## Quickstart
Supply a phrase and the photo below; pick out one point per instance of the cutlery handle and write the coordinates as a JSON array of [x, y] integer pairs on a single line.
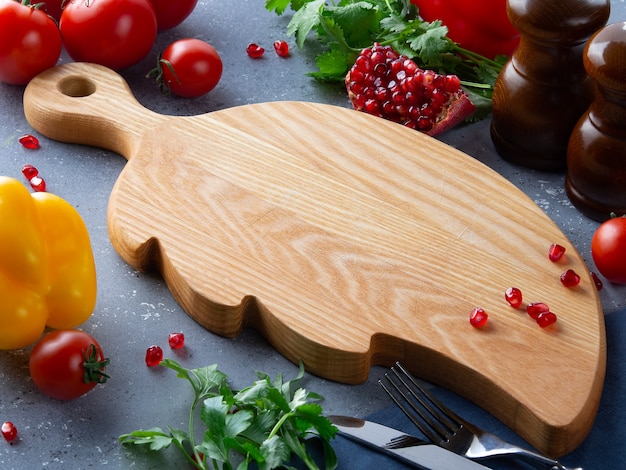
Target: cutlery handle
[[487, 445], [500, 448]]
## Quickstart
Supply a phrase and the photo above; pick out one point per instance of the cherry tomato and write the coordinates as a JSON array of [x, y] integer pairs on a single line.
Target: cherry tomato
[[480, 26], [54, 8], [608, 249], [66, 364], [113, 33], [170, 13], [190, 67], [29, 42]]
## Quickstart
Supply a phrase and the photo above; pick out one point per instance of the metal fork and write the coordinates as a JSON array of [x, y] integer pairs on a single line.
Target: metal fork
[[446, 429]]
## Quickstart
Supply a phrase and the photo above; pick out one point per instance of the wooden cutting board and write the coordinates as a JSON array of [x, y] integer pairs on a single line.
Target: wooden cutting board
[[347, 241]]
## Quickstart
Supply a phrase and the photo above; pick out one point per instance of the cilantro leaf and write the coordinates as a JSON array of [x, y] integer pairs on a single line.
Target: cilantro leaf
[[358, 21], [430, 43], [304, 20], [274, 451], [265, 423], [332, 64], [204, 380], [279, 6], [154, 437]]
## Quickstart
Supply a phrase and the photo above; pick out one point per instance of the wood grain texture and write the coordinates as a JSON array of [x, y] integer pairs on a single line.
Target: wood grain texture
[[347, 241]]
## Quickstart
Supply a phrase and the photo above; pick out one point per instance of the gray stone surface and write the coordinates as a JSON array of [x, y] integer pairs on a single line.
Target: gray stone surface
[[135, 310]]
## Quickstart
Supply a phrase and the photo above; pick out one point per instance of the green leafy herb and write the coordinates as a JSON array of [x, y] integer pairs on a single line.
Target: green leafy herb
[[265, 423], [345, 27]]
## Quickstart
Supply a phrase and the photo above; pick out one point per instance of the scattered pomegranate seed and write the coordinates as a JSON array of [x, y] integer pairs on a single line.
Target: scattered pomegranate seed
[[597, 281], [546, 319], [478, 317], [29, 141], [255, 51], [513, 296], [536, 308], [154, 356], [199, 458], [38, 184], [29, 171], [176, 340], [282, 48], [556, 252], [570, 279], [9, 431]]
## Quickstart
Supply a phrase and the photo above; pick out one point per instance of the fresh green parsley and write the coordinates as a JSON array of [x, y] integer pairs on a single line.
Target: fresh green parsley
[[265, 423], [345, 27]]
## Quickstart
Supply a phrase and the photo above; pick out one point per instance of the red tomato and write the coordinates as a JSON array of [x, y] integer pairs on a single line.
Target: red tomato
[[113, 33], [196, 67], [608, 249], [66, 364], [54, 8], [29, 42], [479, 26], [170, 13]]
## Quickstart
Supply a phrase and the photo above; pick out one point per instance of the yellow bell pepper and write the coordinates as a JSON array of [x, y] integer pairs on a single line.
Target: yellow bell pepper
[[47, 270]]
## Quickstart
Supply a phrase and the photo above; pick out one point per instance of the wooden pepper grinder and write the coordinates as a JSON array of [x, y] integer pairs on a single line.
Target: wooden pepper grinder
[[596, 155], [543, 90]]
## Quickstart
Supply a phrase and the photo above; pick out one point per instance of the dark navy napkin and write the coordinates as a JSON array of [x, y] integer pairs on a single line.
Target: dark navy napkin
[[604, 448]]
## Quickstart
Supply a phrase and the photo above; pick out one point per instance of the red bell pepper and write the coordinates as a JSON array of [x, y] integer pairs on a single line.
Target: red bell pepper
[[480, 26]]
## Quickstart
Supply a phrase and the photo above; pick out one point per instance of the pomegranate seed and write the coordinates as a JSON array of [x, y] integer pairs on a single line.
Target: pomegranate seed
[[199, 458], [556, 252], [38, 184], [176, 340], [9, 431], [597, 281], [281, 48], [29, 141], [536, 308], [570, 279], [546, 319], [29, 171], [513, 296], [478, 317], [255, 51], [372, 107], [154, 356], [452, 83]]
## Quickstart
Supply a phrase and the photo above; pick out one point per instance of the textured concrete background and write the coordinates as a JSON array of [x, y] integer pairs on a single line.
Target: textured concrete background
[[135, 310]]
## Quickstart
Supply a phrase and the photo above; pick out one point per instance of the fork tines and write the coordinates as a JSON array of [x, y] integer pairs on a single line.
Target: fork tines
[[431, 417]]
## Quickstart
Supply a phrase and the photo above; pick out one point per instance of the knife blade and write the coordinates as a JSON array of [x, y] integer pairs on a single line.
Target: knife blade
[[421, 454]]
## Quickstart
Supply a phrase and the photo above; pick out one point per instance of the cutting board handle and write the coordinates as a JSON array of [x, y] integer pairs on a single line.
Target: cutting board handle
[[88, 104]]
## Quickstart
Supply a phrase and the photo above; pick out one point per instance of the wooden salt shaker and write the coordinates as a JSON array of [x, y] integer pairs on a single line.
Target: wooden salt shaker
[[543, 90], [596, 155]]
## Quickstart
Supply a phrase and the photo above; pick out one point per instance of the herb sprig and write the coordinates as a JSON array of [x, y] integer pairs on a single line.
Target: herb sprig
[[265, 423], [345, 27]]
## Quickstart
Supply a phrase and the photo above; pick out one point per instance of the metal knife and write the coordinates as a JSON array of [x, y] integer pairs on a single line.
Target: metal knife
[[420, 454]]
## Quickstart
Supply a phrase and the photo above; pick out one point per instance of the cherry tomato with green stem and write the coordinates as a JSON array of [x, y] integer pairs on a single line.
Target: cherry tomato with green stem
[[480, 26], [113, 33], [66, 364], [189, 68], [170, 13], [29, 42], [608, 249]]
